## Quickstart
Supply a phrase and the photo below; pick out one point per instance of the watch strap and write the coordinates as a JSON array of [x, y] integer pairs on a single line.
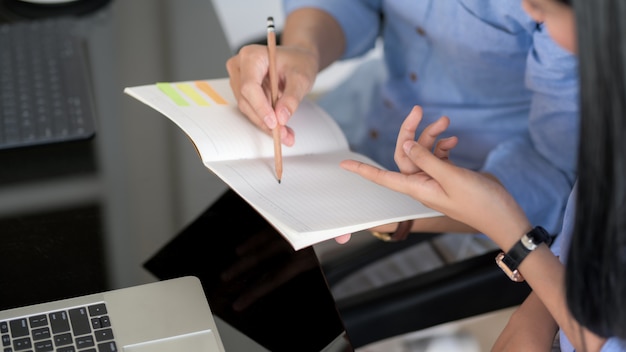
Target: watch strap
[[528, 243], [515, 255]]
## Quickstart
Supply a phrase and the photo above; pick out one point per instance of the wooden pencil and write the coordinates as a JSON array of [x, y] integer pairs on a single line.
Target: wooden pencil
[[271, 48]]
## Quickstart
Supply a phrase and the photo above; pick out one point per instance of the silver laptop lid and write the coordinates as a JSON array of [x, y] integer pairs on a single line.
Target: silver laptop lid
[[171, 315]]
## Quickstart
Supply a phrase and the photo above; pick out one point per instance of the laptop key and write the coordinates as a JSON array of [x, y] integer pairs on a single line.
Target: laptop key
[[38, 321], [41, 334], [96, 323], [22, 344], [44, 346], [97, 309], [104, 334], [59, 322], [107, 347], [80, 321], [62, 339], [85, 341], [19, 328], [66, 349]]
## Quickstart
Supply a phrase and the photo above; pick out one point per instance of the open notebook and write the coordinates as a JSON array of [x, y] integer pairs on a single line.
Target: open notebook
[[316, 199], [165, 316]]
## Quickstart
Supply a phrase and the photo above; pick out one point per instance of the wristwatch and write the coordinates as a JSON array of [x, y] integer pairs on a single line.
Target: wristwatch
[[401, 233], [510, 261]]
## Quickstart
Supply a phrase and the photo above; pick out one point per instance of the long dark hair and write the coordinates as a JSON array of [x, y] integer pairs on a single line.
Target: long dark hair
[[596, 263]]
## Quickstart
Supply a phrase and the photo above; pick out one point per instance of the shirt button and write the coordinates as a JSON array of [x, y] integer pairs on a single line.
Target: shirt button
[[420, 31], [373, 134], [413, 76]]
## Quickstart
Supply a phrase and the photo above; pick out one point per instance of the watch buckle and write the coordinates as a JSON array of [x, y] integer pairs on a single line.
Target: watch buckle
[[514, 275]]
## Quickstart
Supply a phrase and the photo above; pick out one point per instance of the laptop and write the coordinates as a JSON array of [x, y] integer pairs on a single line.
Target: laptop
[[166, 316]]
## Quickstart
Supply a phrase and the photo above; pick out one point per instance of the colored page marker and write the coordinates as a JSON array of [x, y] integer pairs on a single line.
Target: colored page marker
[[208, 90], [172, 93], [192, 93]]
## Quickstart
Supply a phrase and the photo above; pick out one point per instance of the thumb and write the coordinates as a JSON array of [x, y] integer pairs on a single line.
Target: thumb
[[343, 238]]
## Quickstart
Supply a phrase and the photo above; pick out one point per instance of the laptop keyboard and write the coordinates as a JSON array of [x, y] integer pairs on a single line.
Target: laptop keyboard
[[45, 93], [84, 329]]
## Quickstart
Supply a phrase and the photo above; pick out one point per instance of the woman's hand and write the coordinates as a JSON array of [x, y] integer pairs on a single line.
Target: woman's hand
[[462, 194], [427, 139]]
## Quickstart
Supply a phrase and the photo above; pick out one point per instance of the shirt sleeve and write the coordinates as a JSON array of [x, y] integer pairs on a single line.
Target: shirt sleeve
[[360, 20], [539, 169], [562, 241], [614, 344]]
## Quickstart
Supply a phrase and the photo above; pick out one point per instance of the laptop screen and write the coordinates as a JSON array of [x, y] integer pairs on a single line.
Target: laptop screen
[[253, 279]]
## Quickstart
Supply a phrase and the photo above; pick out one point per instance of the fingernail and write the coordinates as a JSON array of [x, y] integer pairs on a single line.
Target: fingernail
[[269, 121], [407, 146], [283, 116]]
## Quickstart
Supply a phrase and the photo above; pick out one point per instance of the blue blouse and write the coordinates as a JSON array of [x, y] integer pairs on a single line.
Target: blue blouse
[[559, 248], [508, 89]]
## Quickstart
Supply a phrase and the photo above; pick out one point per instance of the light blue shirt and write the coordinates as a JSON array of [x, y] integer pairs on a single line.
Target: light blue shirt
[[559, 248], [508, 89]]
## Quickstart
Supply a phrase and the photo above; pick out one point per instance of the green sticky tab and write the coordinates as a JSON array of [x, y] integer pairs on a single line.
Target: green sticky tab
[[169, 90]]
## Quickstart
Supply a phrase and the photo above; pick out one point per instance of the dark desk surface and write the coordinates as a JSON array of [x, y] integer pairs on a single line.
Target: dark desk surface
[[253, 279]]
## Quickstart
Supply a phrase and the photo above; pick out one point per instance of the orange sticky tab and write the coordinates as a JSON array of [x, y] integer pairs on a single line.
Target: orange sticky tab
[[208, 90]]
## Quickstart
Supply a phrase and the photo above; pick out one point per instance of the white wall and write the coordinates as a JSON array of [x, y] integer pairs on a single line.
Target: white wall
[[152, 180], [244, 20]]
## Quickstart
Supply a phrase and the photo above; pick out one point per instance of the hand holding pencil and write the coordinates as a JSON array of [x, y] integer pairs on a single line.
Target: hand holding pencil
[[293, 68]]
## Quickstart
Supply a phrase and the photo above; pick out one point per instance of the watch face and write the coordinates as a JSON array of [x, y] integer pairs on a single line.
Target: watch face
[[514, 275]]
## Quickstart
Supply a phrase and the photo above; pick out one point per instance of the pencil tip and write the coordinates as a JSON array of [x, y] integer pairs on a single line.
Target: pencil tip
[[278, 181]]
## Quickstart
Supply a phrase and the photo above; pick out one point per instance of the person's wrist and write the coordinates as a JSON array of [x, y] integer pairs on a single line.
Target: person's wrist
[[508, 232]]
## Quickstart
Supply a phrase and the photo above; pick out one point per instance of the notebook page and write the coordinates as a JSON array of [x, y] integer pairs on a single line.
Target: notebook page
[[316, 200], [221, 132]]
